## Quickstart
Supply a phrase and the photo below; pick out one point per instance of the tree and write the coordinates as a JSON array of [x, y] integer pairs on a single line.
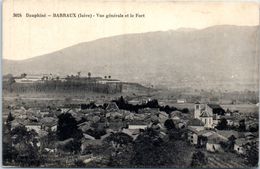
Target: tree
[[11, 81], [222, 125], [252, 156], [9, 152], [26, 146], [185, 110], [67, 127], [150, 150], [198, 159], [9, 118], [89, 74], [253, 128], [109, 77], [118, 140], [23, 75], [169, 124], [242, 125], [119, 148], [153, 104], [78, 74]]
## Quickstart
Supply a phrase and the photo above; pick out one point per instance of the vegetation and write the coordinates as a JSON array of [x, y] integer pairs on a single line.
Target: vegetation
[[222, 125], [67, 127], [21, 149], [252, 156], [123, 104], [198, 159]]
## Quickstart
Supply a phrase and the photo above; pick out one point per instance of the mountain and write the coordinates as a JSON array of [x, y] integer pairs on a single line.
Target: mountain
[[220, 56]]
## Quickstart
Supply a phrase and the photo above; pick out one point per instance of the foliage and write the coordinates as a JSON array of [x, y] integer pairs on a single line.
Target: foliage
[[169, 124], [67, 127], [198, 159], [185, 110], [222, 125], [242, 125], [120, 149], [118, 140], [253, 128], [9, 153], [122, 104], [150, 150], [21, 134], [25, 143], [10, 117], [252, 156]]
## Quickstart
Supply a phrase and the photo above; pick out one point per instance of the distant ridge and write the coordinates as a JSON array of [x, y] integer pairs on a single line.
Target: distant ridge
[[222, 56]]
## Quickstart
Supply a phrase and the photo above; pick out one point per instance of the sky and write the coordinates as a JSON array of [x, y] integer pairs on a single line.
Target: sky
[[27, 37]]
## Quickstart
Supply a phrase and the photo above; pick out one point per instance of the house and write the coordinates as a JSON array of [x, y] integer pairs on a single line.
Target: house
[[44, 113], [156, 126], [242, 144], [249, 136], [230, 120], [89, 141], [85, 126], [112, 107], [239, 146], [137, 126], [214, 143], [116, 126], [49, 124], [197, 135], [228, 133], [106, 135], [163, 117], [33, 126], [181, 100], [15, 123], [87, 137], [132, 132], [193, 134], [175, 113], [29, 79], [196, 122]]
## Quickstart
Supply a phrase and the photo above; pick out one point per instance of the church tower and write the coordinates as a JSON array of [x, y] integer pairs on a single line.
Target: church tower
[[197, 110]]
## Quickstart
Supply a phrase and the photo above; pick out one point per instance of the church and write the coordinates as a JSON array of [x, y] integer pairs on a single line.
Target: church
[[207, 113]]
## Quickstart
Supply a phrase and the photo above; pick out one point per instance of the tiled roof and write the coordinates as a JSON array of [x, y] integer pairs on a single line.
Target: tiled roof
[[228, 133], [215, 139], [205, 114]]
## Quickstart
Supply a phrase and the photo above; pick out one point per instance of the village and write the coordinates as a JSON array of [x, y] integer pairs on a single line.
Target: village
[[119, 134]]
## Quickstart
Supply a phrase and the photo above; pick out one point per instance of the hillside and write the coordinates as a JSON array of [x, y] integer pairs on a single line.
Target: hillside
[[220, 56]]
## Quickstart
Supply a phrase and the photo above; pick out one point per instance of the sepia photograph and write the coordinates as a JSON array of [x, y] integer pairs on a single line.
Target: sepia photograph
[[130, 84]]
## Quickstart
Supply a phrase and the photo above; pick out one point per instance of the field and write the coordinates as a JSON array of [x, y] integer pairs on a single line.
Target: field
[[225, 160]]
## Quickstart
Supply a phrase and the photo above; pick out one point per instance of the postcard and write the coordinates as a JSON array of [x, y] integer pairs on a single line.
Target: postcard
[[130, 84]]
